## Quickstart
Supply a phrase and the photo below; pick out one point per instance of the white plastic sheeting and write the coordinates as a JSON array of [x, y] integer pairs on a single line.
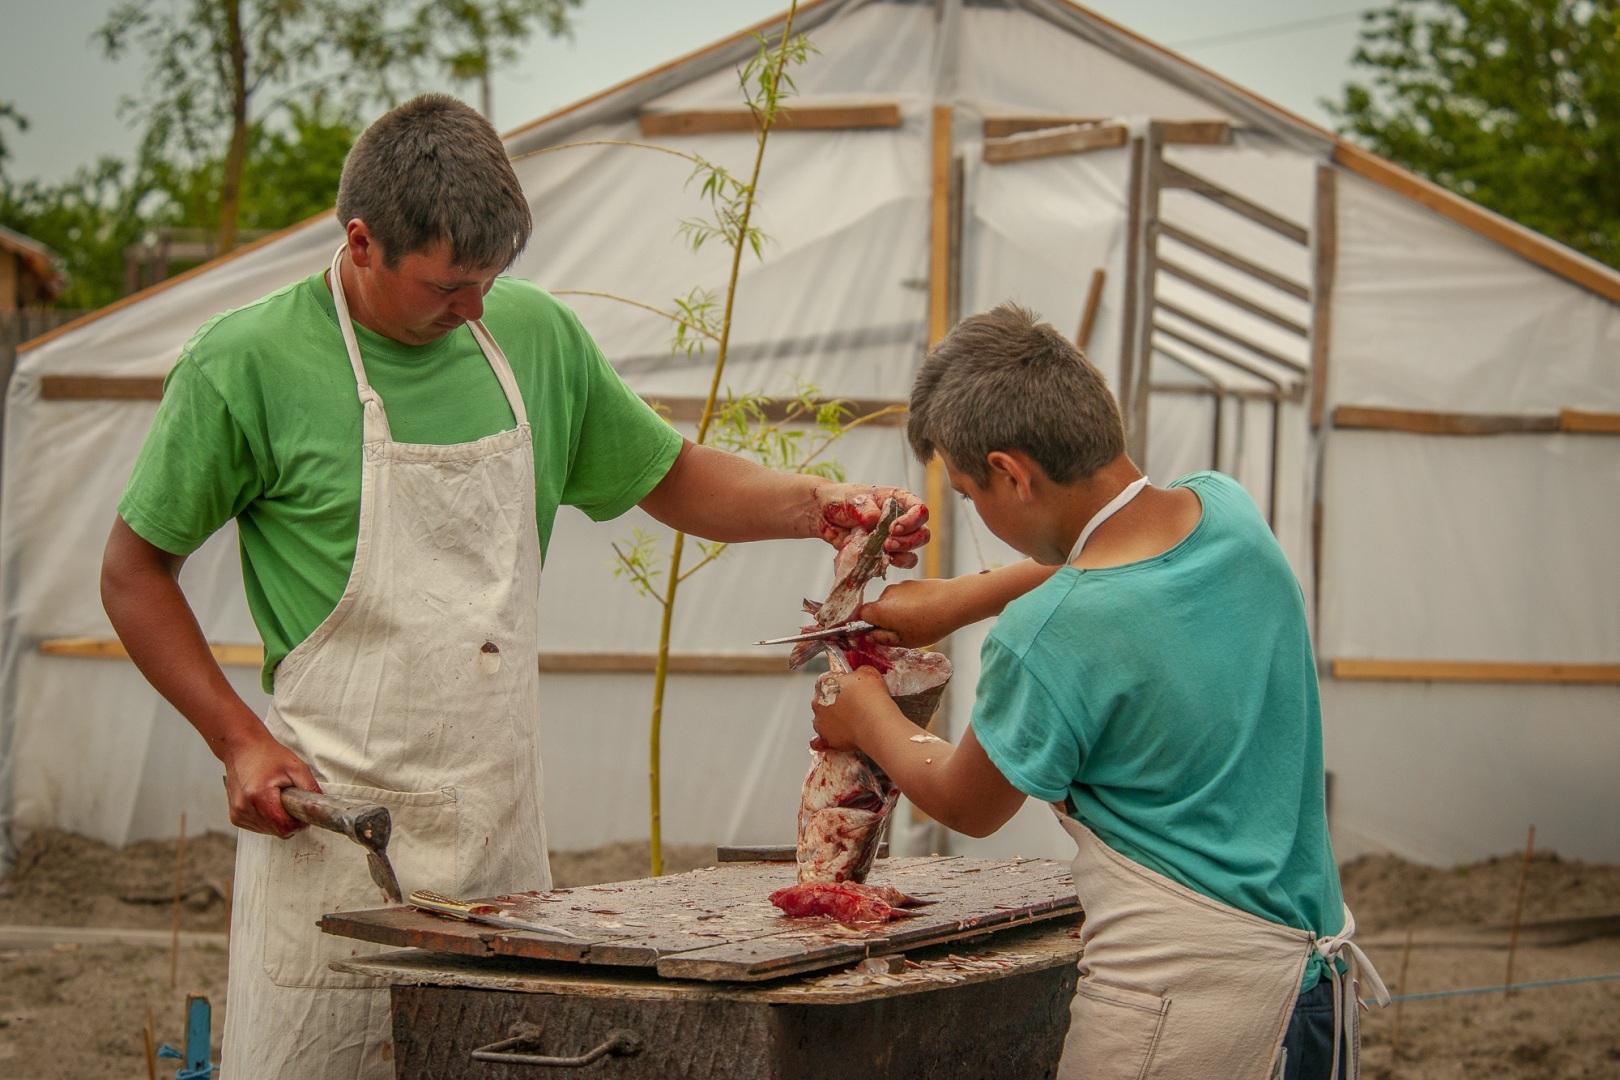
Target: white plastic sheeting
[[1489, 548]]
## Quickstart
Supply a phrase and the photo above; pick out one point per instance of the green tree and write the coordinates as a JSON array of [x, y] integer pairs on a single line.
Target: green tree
[[469, 39], [9, 114], [209, 62], [1512, 103], [88, 219], [219, 70], [290, 173]]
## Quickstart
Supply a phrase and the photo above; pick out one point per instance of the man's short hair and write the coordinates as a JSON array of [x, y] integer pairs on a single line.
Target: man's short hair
[[434, 170], [1004, 380]]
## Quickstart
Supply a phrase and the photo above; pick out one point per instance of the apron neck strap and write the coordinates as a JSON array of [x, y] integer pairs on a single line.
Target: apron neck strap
[[1132, 490], [486, 344]]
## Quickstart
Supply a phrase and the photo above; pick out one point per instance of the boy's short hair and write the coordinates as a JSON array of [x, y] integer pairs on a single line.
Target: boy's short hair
[[434, 170], [1004, 380]]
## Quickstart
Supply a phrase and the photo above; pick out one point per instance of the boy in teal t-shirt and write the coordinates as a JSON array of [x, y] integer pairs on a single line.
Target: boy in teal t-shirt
[[1150, 675]]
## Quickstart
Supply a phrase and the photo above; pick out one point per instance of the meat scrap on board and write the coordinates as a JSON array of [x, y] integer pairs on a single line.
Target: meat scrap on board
[[846, 798]]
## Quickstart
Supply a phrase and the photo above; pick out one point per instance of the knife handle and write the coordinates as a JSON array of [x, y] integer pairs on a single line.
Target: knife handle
[[365, 823]]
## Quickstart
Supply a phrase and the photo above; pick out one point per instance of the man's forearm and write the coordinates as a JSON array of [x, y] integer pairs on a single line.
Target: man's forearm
[[150, 615], [727, 497]]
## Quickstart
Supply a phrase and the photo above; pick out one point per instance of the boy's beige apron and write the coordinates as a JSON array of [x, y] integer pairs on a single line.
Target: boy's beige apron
[[420, 692], [1175, 985]]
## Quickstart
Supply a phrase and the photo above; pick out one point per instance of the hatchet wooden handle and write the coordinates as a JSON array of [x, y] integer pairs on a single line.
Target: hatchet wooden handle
[[367, 824]]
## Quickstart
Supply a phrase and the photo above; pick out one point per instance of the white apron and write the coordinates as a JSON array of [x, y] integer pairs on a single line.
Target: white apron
[[1175, 985], [420, 692]]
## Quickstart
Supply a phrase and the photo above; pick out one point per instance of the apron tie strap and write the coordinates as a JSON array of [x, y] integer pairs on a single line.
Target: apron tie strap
[[1345, 997]]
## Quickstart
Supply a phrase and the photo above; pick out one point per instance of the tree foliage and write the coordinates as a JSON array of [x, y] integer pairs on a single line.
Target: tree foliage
[[220, 71], [9, 115], [468, 39], [91, 219], [1512, 103]]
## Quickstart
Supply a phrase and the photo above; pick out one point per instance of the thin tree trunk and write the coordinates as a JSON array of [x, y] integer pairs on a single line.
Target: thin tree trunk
[[230, 189]]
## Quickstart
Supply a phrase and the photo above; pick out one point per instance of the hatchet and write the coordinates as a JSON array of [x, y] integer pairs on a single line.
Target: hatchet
[[367, 824]]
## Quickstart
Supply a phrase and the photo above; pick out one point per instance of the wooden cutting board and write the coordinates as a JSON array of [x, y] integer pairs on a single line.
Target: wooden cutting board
[[718, 924]]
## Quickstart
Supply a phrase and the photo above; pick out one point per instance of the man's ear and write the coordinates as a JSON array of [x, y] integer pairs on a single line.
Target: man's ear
[[362, 247], [1013, 467]]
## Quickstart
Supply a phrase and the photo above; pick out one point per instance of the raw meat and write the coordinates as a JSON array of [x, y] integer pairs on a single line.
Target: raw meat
[[847, 902], [847, 798]]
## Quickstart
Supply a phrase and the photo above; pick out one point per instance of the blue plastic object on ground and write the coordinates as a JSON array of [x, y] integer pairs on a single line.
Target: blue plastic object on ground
[[197, 1066]]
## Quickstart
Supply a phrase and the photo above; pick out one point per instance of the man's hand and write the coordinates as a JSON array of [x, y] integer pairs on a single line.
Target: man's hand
[[844, 507], [255, 775], [846, 705]]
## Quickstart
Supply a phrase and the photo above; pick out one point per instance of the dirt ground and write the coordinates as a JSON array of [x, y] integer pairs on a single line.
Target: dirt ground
[[76, 1011]]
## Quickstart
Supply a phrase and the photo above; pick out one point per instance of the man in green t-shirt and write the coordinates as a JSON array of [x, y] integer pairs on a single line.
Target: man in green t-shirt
[[393, 438]]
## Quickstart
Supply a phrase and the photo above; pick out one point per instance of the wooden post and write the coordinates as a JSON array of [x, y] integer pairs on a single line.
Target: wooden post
[[1325, 257], [1088, 318], [149, 1044], [179, 877], [1147, 167], [1400, 984], [1518, 911], [939, 319]]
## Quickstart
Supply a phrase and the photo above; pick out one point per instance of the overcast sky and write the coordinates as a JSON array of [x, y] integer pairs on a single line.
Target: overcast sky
[[1294, 52]]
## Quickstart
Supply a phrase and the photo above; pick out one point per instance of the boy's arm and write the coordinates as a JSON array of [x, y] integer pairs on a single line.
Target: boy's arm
[[921, 611], [957, 786], [140, 590]]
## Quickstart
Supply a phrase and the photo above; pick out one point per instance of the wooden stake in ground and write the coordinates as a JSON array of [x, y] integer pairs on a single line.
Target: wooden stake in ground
[[179, 876], [149, 1043], [1518, 910], [1395, 1039]]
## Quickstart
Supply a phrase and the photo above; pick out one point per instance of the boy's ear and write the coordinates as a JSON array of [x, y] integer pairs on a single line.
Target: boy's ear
[[1016, 468]]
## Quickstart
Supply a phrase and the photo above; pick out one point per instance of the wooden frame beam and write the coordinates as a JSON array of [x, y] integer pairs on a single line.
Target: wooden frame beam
[[1220, 292], [941, 275], [1088, 315], [1237, 339], [1248, 367], [1474, 671], [1324, 268], [150, 388], [1055, 142], [1236, 262], [1177, 132], [1593, 423], [1528, 244], [101, 387], [691, 663], [655, 124], [1177, 177], [776, 409], [1369, 418]]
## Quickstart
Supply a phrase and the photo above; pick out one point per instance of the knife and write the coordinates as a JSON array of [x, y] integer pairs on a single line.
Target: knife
[[481, 913], [853, 628]]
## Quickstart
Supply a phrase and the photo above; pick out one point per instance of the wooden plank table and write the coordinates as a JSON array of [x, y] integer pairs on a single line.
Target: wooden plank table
[[717, 924]]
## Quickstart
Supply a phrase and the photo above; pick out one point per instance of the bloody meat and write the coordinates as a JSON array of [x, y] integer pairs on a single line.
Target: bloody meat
[[847, 798]]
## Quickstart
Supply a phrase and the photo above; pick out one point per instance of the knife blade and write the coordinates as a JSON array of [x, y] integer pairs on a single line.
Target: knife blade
[[853, 628]]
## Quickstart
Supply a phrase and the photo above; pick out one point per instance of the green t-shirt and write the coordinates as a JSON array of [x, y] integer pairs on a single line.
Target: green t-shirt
[[260, 421], [1172, 704]]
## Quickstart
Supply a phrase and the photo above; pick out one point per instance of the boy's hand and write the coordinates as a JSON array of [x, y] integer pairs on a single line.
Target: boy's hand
[[846, 704], [915, 613], [860, 506]]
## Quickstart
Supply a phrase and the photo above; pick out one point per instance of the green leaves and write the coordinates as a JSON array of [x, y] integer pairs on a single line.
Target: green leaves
[[1512, 103]]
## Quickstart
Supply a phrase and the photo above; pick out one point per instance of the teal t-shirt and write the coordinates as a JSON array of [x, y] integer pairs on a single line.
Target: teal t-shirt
[[260, 421], [1172, 705]]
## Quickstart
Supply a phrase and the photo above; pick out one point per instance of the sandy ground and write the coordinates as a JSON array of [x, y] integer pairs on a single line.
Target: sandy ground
[[80, 1010]]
